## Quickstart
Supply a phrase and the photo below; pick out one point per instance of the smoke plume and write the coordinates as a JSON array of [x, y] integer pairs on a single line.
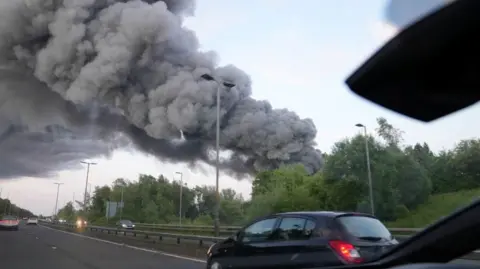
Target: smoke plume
[[79, 78]]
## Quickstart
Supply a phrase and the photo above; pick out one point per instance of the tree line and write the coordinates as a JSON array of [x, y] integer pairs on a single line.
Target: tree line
[[8, 208], [403, 176]]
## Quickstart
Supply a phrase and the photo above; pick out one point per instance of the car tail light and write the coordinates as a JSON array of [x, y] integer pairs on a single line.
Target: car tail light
[[347, 251]]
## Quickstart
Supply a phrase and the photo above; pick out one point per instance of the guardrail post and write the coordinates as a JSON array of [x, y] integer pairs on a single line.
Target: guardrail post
[[178, 240]]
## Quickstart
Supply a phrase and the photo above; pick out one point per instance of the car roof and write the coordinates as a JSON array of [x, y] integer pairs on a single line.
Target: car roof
[[317, 214]]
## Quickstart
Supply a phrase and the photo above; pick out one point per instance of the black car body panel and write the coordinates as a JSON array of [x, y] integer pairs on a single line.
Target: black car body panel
[[300, 247], [370, 245]]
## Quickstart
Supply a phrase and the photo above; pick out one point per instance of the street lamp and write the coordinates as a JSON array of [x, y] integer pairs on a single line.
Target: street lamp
[[370, 185], [180, 207], [228, 86], [56, 201], [86, 185], [121, 201]]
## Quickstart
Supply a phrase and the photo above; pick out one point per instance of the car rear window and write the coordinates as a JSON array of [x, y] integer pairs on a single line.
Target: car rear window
[[362, 226], [8, 218]]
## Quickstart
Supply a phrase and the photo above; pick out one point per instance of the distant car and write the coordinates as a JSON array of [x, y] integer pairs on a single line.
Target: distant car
[[32, 221], [81, 223], [125, 224], [9, 223], [303, 240]]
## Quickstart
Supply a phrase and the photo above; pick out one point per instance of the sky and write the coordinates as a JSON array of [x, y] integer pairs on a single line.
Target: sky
[[298, 57]]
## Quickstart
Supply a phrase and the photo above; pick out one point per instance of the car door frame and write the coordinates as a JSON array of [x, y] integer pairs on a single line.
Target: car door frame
[[307, 252], [253, 254], [282, 252]]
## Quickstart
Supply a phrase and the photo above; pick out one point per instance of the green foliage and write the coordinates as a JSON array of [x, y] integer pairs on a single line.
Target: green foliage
[[67, 212], [403, 177], [437, 206], [8, 208]]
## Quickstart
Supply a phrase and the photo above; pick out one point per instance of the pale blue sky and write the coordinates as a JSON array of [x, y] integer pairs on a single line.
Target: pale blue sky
[[298, 57]]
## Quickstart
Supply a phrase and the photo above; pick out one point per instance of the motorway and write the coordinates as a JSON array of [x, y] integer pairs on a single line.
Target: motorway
[[42, 247]]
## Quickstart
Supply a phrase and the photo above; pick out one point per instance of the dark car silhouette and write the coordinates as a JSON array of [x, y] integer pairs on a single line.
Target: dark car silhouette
[[303, 239]]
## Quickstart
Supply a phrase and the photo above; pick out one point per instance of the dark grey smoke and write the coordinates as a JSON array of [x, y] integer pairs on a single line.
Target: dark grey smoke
[[80, 78]]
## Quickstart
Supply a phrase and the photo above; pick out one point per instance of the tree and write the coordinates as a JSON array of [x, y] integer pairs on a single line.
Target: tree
[[67, 212], [403, 178]]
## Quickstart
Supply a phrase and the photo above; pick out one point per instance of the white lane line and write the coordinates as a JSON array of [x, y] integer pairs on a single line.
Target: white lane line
[[128, 246]]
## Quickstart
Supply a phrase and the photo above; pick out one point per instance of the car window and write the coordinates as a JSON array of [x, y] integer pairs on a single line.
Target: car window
[[127, 222], [361, 226], [294, 229], [309, 228], [259, 231], [8, 218]]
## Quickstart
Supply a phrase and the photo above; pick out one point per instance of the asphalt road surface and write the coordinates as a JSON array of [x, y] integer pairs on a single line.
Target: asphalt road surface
[[35, 247], [40, 247]]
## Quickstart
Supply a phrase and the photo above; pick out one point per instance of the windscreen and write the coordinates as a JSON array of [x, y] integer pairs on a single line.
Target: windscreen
[[364, 227], [126, 222]]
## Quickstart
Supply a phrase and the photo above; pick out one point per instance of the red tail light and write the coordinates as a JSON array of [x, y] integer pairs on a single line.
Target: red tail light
[[347, 251]]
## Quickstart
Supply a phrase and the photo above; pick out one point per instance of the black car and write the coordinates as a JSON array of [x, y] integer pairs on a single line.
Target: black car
[[301, 240], [125, 224]]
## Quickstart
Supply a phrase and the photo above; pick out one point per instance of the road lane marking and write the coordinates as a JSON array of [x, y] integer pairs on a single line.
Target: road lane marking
[[128, 246]]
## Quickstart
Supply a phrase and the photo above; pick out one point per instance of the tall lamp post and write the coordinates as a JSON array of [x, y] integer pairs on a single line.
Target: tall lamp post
[[121, 202], [370, 185], [228, 86], [56, 200], [181, 198], [86, 185]]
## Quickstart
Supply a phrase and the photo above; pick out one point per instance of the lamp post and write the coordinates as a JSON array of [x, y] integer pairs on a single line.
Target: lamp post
[[121, 202], [181, 198], [56, 200], [228, 86], [86, 185], [370, 185]]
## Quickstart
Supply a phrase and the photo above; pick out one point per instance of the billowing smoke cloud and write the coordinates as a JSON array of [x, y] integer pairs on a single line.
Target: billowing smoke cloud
[[82, 77]]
